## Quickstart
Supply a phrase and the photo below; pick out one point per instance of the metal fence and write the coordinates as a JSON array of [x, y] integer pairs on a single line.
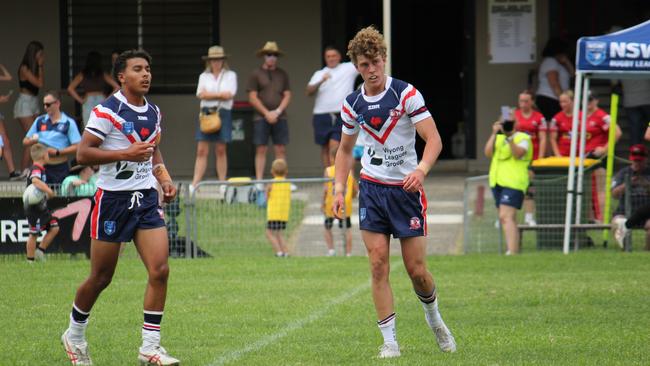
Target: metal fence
[[482, 232], [230, 218]]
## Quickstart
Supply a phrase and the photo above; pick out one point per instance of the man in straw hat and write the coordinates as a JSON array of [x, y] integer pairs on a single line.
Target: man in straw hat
[[269, 93]]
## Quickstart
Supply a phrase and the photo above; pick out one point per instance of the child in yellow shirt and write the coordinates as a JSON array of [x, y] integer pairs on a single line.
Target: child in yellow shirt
[[351, 189], [277, 207]]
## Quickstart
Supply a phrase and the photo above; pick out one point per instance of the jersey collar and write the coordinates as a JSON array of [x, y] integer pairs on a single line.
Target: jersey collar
[[139, 109]]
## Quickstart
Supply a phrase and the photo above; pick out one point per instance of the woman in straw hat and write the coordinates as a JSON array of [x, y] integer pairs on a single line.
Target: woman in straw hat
[[216, 90]]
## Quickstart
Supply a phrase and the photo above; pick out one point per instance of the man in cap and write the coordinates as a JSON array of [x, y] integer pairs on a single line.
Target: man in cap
[[269, 93], [638, 176]]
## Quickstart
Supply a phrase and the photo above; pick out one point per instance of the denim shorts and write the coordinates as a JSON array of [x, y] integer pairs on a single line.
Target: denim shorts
[[225, 132], [26, 106], [89, 104]]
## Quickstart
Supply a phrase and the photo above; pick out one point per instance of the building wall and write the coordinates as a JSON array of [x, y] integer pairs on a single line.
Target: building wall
[[296, 27], [499, 84], [17, 28]]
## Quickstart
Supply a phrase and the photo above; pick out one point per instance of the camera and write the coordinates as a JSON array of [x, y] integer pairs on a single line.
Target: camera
[[508, 126]]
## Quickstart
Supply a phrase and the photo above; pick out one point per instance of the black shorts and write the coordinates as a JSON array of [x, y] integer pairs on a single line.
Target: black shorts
[[276, 225], [329, 222], [40, 218], [278, 132], [327, 126], [56, 173]]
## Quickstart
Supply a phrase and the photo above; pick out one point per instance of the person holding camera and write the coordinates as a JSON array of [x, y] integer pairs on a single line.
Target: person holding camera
[[511, 152]]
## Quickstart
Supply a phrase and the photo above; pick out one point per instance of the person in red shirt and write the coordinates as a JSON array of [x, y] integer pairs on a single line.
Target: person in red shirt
[[560, 126], [596, 143], [533, 123]]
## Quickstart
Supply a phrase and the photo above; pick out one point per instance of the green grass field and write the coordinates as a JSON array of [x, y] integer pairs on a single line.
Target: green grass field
[[541, 308]]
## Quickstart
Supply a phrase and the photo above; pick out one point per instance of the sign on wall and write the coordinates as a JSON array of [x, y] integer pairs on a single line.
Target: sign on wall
[[74, 225], [511, 31]]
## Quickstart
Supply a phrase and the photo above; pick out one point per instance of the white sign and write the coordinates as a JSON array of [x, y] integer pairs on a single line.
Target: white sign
[[511, 30]]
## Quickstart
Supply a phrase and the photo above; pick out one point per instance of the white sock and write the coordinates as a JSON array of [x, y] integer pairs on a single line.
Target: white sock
[[387, 328], [432, 314], [77, 331], [151, 329]]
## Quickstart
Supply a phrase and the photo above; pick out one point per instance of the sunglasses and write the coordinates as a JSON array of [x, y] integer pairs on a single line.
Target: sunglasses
[[48, 105], [271, 55]]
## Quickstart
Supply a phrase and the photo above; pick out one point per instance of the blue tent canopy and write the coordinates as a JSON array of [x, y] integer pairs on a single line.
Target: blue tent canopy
[[622, 54]]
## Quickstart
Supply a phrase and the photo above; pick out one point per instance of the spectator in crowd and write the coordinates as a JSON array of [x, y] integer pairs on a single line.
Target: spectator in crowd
[[114, 55], [30, 79], [269, 93], [216, 89], [5, 143], [639, 217], [510, 152], [553, 77], [80, 182], [92, 81], [636, 100], [638, 176], [561, 125], [331, 85], [345, 222], [59, 133], [596, 143], [278, 207], [533, 123], [38, 215]]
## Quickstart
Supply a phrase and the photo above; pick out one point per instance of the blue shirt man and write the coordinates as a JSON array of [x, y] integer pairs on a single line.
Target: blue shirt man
[[59, 133]]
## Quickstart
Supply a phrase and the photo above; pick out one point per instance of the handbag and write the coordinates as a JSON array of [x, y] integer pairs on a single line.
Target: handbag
[[210, 123]]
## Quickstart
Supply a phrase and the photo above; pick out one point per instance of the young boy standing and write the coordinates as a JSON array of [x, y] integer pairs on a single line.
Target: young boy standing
[[328, 199], [38, 215], [277, 208]]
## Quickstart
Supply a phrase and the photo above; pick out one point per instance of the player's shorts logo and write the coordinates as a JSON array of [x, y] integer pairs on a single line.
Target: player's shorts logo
[[362, 213], [109, 227], [127, 128], [415, 223]]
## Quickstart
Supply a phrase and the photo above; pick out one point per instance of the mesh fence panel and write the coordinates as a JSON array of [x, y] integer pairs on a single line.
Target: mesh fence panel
[[549, 189], [230, 218]]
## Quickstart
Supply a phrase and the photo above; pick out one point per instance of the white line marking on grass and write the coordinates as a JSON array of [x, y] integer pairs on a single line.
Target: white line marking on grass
[[295, 325]]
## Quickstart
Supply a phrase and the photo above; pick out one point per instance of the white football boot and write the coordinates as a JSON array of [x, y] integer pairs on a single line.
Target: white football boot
[[156, 356], [389, 350], [77, 353]]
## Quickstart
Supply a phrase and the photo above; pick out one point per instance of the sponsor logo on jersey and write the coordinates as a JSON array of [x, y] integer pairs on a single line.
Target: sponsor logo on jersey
[[596, 52], [414, 224], [127, 128], [143, 118], [360, 119], [373, 106], [394, 113], [144, 132], [109, 227]]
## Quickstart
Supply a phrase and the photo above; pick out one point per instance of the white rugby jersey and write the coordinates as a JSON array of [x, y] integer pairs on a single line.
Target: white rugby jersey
[[387, 125], [119, 124]]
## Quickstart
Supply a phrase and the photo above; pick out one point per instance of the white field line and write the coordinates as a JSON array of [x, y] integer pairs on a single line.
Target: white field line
[[298, 324]]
